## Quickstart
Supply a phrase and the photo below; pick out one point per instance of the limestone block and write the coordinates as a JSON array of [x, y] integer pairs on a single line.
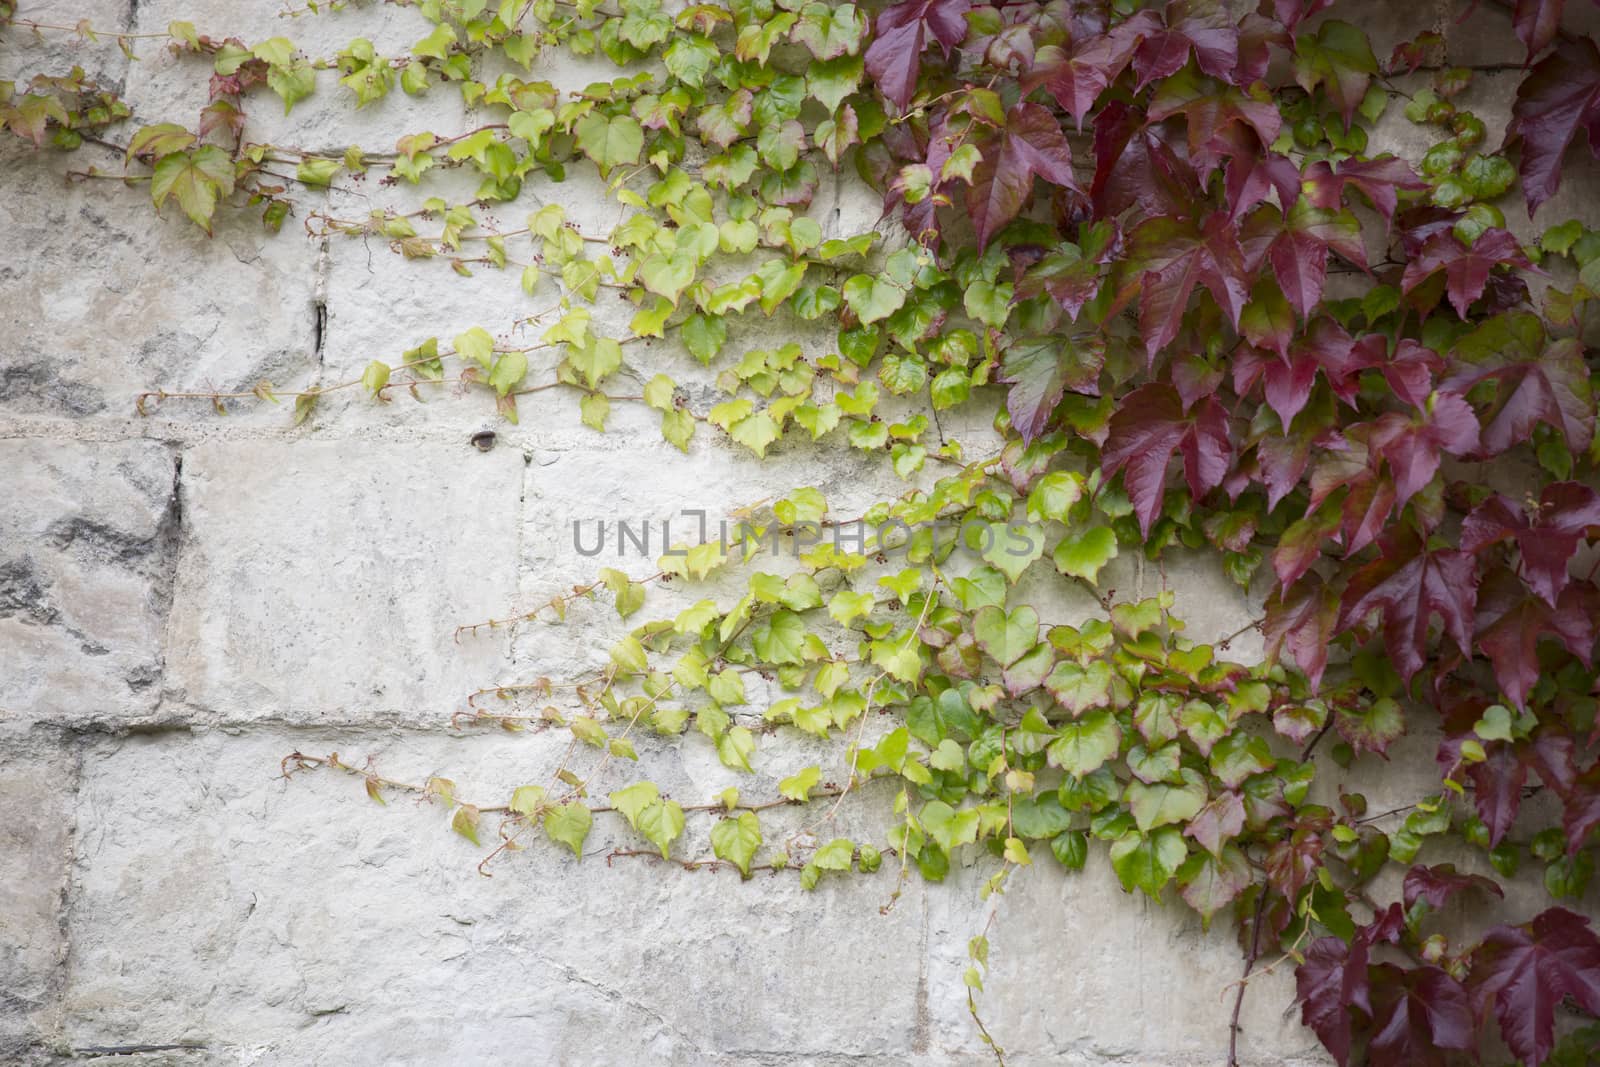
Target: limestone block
[[1485, 38], [289, 922], [88, 542], [38, 779], [381, 304], [1083, 974], [101, 299], [325, 578], [167, 88], [571, 494], [54, 52]]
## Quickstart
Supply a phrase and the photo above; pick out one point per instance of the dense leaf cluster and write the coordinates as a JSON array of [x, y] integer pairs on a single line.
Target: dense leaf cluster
[[1155, 234]]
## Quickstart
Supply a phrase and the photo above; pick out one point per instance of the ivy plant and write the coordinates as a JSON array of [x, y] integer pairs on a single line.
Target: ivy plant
[[1151, 237]]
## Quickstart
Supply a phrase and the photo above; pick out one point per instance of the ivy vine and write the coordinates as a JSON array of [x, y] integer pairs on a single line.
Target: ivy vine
[[1153, 235]]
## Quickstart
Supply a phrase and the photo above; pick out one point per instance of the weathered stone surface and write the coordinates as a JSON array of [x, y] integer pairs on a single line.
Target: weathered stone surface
[[381, 304], [1385, 24], [289, 922], [1081, 973], [324, 579], [167, 88], [38, 779], [576, 505], [1485, 38], [320, 573], [1490, 96], [88, 540], [100, 299], [56, 50]]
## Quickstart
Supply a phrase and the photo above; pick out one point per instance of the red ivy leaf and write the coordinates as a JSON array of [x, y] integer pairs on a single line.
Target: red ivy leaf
[[1031, 145], [1257, 33], [1566, 514], [1300, 621], [1581, 811], [1147, 429], [1331, 981], [1293, 861], [1281, 457], [1139, 163], [1409, 584], [1175, 255], [1214, 116], [1409, 55], [1410, 370], [1510, 624], [1497, 789], [1293, 12], [1252, 175], [1203, 26], [1536, 382], [1560, 95], [1528, 970], [1379, 180], [1537, 22], [895, 56], [1438, 884], [1299, 254], [1325, 347], [1218, 822], [1073, 272], [1040, 369], [1466, 270], [1413, 446], [1417, 1013], [1349, 461], [1076, 79]]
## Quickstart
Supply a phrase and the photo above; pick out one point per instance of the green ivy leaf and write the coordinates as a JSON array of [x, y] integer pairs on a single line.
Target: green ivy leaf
[[568, 824], [735, 747], [836, 855], [465, 823], [1012, 547], [610, 142], [933, 719], [737, 840], [873, 298], [798, 786], [662, 823], [1085, 553], [634, 799], [508, 372], [1148, 862], [948, 827], [197, 179], [1071, 849], [1006, 637], [781, 639], [1079, 688], [1161, 804], [1082, 746]]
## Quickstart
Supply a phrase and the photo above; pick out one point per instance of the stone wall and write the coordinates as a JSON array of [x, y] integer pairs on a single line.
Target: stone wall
[[187, 598]]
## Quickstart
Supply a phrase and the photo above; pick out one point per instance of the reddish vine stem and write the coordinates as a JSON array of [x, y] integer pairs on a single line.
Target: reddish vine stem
[[1244, 979]]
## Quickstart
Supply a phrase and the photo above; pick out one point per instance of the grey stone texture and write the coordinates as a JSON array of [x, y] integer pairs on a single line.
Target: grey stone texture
[[165, 306], [88, 543], [323, 580], [187, 599]]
